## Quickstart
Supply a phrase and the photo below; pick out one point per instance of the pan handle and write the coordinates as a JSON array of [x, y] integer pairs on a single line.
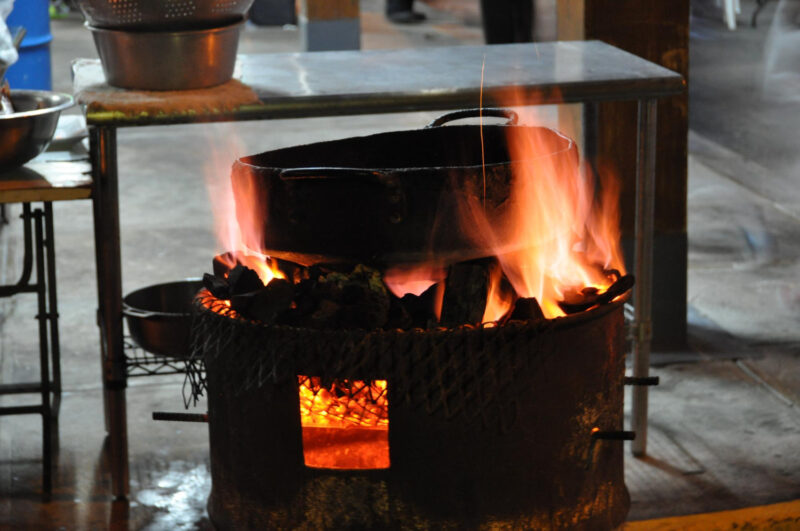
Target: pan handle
[[498, 112], [180, 417], [135, 312]]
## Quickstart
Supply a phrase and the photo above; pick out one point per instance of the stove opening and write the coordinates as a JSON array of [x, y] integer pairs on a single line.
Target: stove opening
[[345, 423]]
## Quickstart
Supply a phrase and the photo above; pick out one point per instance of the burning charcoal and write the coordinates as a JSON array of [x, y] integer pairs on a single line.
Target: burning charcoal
[[527, 309], [363, 297], [293, 272], [217, 286], [578, 301], [575, 302], [270, 302], [221, 264], [357, 299], [335, 267], [398, 317], [619, 287], [326, 315], [242, 279], [240, 302], [414, 311], [466, 290]]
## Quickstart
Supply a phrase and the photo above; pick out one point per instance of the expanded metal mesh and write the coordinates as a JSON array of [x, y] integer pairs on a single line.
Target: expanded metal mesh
[[475, 374]]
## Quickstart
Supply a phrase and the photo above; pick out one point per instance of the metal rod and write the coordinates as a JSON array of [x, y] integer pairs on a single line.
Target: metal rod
[[614, 435], [180, 417], [20, 388], [44, 354], [649, 380], [20, 410], [643, 256], [105, 203]]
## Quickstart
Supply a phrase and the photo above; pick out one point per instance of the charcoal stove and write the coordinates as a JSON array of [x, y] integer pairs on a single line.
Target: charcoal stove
[[513, 420], [487, 426]]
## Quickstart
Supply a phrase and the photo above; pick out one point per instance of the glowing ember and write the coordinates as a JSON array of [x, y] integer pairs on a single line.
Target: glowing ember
[[345, 425], [346, 403]]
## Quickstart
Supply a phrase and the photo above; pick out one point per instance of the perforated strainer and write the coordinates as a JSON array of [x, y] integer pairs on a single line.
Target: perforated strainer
[[154, 15]]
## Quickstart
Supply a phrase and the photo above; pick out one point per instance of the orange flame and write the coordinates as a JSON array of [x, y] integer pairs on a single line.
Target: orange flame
[[498, 300], [224, 208], [263, 265], [556, 233], [415, 279]]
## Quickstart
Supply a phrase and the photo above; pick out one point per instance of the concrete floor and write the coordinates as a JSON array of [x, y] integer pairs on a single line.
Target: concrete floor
[[725, 424]]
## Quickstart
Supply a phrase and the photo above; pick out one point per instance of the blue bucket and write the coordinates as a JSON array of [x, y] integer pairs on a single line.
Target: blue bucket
[[33, 68]]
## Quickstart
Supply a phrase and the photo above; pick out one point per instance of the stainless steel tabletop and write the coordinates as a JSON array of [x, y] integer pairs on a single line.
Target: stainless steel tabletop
[[296, 85]]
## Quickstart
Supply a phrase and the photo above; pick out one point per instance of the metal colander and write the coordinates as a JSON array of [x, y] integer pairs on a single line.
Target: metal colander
[[138, 15]]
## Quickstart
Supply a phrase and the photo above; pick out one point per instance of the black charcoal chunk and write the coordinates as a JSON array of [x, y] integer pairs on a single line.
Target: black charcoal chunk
[[527, 309], [217, 286], [578, 301], [243, 280], [466, 291], [329, 299], [221, 263], [271, 301], [240, 302]]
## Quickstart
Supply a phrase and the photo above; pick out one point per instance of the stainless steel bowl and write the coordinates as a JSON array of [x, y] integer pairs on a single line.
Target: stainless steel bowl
[[168, 60], [162, 15], [28, 131]]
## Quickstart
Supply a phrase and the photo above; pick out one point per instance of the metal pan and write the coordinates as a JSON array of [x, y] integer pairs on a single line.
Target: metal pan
[[159, 317]]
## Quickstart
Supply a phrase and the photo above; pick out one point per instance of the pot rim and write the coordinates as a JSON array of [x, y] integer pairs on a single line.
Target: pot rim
[[570, 145], [62, 101], [130, 310], [240, 21]]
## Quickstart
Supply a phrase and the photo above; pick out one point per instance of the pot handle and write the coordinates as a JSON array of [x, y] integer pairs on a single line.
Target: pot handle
[[498, 112], [136, 312]]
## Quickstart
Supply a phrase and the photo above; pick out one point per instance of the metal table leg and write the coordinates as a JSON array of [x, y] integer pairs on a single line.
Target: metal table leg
[[52, 316], [105, 201], [44, 353], [643, 256]]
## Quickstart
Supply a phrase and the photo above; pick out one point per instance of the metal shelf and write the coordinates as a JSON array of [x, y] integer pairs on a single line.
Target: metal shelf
[[141, 363]]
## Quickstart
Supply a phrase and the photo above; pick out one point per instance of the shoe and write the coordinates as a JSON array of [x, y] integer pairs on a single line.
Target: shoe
[[406, 17]]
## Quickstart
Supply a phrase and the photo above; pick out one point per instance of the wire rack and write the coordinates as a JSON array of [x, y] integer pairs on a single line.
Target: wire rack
[[141, 363]]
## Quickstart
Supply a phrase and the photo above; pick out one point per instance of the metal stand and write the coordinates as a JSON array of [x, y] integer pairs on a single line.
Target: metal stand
[[103, 155], [643, 257], [40, 222]]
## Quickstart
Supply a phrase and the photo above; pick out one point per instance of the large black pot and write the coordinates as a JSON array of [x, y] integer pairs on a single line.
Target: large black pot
[[159, 317], [383, 199]]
